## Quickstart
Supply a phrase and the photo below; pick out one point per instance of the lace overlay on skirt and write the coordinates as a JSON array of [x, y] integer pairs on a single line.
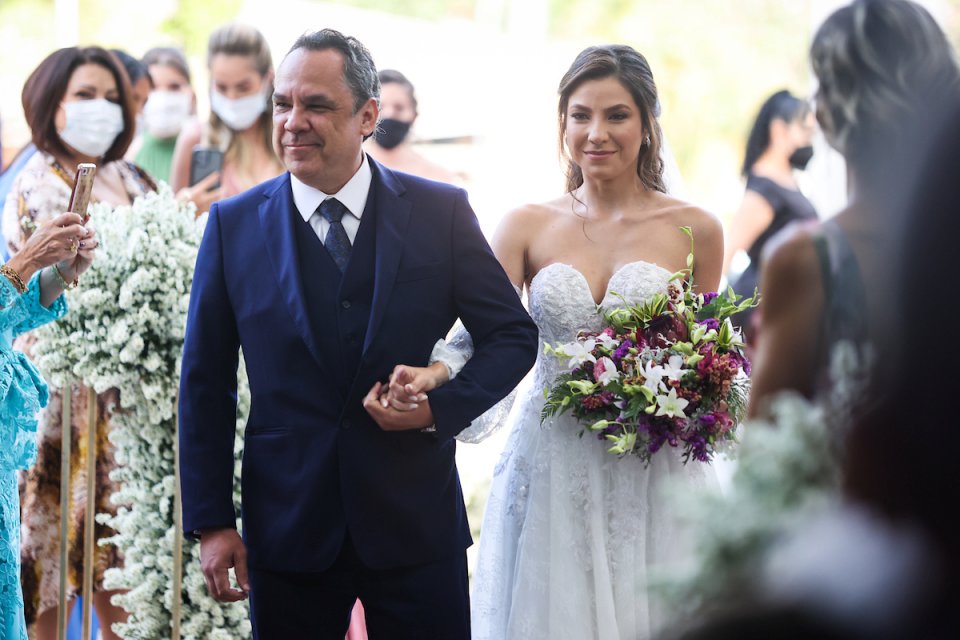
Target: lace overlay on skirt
[[572, 534]]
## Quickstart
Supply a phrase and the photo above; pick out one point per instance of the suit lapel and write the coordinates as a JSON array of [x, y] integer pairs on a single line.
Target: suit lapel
[[393, 216], [276, 220]]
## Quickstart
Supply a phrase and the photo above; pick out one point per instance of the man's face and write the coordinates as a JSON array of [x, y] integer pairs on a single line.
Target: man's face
[[316, 133]]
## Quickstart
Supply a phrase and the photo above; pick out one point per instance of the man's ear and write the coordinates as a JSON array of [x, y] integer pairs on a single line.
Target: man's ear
[[369, 116]]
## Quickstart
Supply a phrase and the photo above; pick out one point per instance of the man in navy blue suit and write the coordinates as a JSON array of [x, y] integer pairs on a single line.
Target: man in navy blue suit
[[327, 277]]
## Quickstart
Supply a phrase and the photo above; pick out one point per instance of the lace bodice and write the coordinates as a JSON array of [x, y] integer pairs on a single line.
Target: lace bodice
[[561, 304]]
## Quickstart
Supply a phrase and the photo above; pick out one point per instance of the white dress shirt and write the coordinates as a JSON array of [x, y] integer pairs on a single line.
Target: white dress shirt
[[352, 195]]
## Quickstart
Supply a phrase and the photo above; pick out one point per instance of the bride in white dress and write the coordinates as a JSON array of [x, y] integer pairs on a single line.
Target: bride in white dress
[[572, 533]]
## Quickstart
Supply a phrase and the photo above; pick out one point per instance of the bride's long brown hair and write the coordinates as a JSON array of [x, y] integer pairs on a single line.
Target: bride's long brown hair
[[628, 66]]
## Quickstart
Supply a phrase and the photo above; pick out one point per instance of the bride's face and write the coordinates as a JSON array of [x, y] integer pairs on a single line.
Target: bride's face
[[603, 131]]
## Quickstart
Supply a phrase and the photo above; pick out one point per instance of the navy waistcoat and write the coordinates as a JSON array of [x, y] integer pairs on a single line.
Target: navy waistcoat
[[338, 305]]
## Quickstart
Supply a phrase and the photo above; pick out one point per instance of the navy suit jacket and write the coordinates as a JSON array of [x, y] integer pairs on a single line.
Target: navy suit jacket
[[315, 465]]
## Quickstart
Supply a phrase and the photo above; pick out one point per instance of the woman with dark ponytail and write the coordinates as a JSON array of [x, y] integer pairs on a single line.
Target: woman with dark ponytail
[[779, 143]]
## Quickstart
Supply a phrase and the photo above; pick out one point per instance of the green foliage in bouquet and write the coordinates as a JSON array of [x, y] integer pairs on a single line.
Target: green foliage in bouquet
[[669, 370]]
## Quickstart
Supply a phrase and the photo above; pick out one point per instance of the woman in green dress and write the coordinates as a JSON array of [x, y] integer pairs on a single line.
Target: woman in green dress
[[171, 104]]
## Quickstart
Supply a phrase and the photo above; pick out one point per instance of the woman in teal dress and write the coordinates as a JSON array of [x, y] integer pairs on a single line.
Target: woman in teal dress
[[30, 295]]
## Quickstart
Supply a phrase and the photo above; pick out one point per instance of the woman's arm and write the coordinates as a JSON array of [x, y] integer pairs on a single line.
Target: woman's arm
[[511, 243], [790, 319], [182, 153], [708, 251], [751, 219]]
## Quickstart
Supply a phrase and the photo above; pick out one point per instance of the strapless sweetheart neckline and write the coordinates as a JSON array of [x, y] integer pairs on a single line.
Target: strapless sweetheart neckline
[[583, 278]]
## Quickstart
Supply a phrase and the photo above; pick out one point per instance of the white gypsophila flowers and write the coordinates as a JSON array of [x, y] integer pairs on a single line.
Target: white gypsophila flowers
[[125, 330], [788, 472]]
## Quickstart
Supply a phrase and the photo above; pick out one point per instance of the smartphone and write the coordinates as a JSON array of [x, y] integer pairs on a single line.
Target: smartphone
[[203, 162], [82, 188]]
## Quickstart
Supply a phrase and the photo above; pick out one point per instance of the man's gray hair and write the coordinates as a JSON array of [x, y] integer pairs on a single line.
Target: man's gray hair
[[359, 71]]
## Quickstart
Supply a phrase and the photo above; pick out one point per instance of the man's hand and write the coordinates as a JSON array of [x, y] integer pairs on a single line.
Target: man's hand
[[389, 419], [221, 549]]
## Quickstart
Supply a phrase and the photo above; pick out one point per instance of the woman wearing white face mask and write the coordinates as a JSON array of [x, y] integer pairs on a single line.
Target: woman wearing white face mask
[[79, 108], [170, 106], [241, 118]]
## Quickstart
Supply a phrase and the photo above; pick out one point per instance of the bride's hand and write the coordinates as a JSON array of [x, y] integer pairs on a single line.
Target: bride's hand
[[408, 386]]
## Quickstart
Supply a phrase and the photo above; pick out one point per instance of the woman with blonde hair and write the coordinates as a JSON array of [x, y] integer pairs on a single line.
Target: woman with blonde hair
[[241, 118]]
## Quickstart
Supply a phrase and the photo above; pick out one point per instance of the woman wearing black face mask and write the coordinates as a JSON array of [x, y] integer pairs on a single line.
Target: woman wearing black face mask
[[390, 144], [778, 144]]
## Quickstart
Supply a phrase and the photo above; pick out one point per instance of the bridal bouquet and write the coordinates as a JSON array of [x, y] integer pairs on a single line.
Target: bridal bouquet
[[669, 371]]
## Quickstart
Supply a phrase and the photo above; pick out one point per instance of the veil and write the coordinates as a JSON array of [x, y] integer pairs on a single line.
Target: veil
[[671, 171]]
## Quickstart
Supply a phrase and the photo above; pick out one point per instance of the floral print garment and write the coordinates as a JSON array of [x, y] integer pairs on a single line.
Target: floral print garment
[[40, 193]]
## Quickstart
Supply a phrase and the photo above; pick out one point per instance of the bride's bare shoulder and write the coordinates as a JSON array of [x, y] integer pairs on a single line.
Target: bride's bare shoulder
[[678, 213], [530, 218]]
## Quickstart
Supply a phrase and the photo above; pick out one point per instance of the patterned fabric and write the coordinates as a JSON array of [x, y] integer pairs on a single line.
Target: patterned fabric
[[337, 242], [572, 534], [845, 300], [22, 394], [454, 353], [40, 193]]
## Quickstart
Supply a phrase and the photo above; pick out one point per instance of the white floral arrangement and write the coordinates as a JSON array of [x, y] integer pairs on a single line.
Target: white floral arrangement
[[788, 471], [125, 331]]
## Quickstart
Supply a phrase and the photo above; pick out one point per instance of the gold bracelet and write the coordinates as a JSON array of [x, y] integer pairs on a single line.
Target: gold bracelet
[[67, 286], [14, 278]]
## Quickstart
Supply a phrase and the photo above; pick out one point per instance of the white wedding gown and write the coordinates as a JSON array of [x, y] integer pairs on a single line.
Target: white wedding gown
[[572, 533]]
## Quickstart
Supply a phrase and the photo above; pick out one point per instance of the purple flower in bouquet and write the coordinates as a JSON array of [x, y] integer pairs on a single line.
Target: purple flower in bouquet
[[665, 330], [622, 350], [641, 384], [662, 432], [597, 401], [639, 341], [698, 447], [743, 361], [711, 323]]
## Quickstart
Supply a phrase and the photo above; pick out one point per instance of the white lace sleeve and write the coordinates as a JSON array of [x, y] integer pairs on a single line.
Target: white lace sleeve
[[454, 353]]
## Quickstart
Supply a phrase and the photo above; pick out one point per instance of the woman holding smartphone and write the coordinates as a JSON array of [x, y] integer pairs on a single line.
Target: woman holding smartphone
[[241, 119], [79, 107], [30, 296]]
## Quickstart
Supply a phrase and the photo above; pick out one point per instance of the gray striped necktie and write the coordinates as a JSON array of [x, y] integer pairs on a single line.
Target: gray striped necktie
[[337, 242]]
